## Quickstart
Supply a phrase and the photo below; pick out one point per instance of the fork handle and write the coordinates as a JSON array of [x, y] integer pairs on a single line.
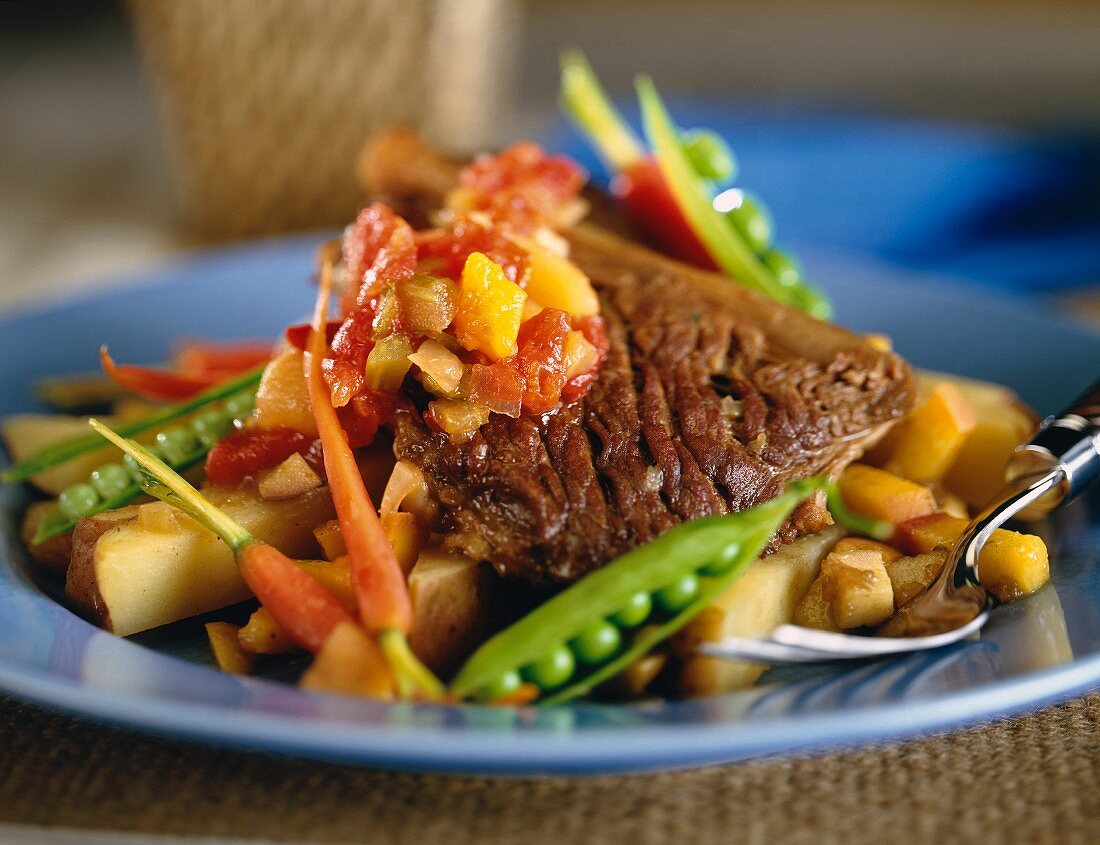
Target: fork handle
[[1069, 442]]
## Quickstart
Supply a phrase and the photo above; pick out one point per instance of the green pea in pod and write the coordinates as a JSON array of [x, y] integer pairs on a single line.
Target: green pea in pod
[[682, 571]]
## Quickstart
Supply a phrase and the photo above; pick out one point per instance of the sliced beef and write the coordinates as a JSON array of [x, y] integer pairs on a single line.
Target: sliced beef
[[711, 399]]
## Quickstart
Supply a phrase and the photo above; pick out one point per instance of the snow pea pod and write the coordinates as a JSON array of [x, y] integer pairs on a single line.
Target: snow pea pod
[[71, 448], [713, 550], [117, 485]]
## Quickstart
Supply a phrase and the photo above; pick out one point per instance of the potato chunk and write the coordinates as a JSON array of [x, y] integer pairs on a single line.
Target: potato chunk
[[814, 611], [290, 479], [764, 597], [138, 573], [228, 653], [931, 436], [857, 588], [878, 494], [282, 399], [910, 575], [350, 662], [454, 608], [52, 555], [1010, 566], [25, 435]]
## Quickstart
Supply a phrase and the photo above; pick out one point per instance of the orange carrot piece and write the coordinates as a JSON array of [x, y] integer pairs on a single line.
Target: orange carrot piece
[[379, 583], [157, 384], [304, 609]]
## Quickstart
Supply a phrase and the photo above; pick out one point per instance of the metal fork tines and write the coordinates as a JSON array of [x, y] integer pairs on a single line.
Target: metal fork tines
[[1054, 467]]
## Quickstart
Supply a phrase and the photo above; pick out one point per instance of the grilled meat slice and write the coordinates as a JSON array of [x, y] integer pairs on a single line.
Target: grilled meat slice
[[712, 398]]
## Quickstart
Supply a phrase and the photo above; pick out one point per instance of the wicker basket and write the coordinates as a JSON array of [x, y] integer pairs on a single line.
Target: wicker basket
[[265, 103]]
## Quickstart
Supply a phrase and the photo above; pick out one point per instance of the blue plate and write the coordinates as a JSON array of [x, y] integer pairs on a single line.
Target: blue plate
[[1036, 651]]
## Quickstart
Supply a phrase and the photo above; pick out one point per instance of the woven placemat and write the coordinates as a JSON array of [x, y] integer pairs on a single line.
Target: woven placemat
[[1032, 779]]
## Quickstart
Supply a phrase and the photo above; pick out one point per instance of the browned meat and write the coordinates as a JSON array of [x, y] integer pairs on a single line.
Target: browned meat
[[711, 399]]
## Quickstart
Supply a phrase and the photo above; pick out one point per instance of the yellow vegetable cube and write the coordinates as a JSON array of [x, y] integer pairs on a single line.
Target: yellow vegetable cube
[[877, 494], [556, 282], [407, 537], [350, 662], [857, 588], [1010, 566], [931, 436], [490, 308], [228, 653], [262, 635]]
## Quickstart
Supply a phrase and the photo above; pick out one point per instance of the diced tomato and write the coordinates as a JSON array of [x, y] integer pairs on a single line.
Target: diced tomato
[[353, 341], [522, 186], [650, 207], [540, 360], [245, 453], [449, 249], [366, 413], [595, 332], [363, 240], [298, 336], [496, 386]]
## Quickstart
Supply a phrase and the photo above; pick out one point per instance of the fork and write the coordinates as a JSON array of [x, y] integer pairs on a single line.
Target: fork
[[1056, 466]]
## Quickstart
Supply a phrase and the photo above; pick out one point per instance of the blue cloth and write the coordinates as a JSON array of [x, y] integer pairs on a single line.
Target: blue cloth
[[998, 207]]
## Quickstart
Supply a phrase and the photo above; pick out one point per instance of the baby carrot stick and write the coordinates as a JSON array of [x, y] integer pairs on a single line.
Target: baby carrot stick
[[380, 589], [304, 609]]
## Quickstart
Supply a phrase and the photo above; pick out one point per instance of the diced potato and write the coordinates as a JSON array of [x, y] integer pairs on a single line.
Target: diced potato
[[454, 608], [857, 588], [878, 494], [932, 435], [52, 555], [556, 282], [1010, 565], [764, 597], [130, 576], [228, 653], [282, 399], [262, 635], [814, 611], [863, 544], [25, 435], [910, 575], [407, 536], [490, 308], [351, 663], [458, 418], [636, 678], [330, 539], [290, 479], [334, 576]]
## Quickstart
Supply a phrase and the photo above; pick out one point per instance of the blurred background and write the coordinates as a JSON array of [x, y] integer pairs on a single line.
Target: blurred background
[[951, 136]]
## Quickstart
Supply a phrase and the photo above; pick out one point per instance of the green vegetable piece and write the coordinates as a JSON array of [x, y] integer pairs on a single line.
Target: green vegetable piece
[[677, 595], [753, 221], [710, 155], [61, 452], [504, 685], [211, 426], [603, 593], [78, 501], [176, 444], [587, 105], [553, 670], [634, 612], [596, 643], [783, 266], [721, 564], [110, 480], [239, 406], [133, 468], [735, 258]]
